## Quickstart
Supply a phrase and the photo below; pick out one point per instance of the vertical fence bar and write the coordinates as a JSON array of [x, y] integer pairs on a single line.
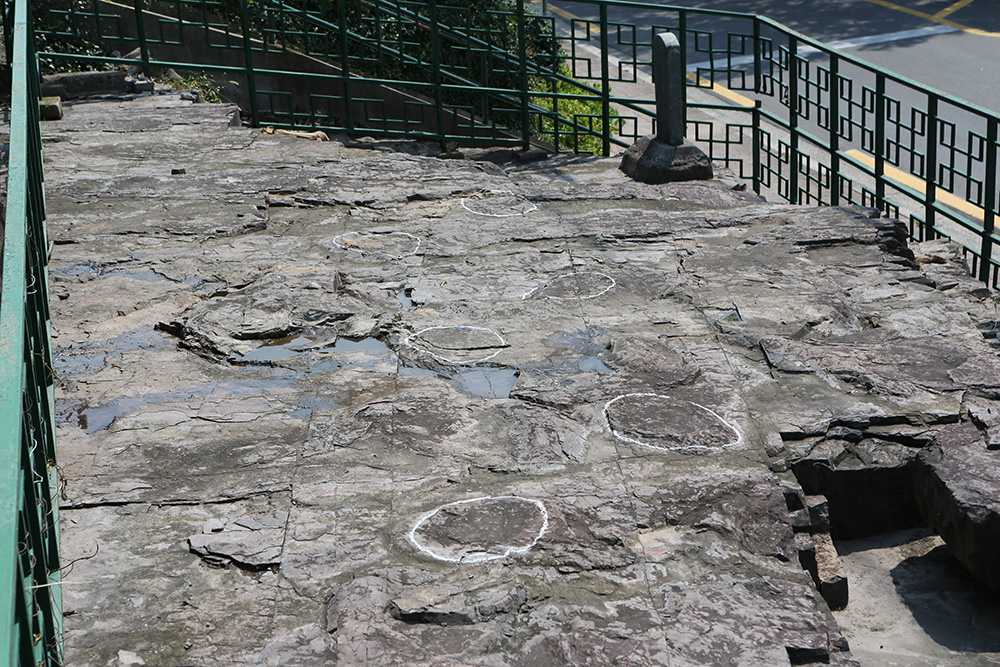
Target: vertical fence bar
[[248, 62], [793, 120], [755, 144], [522, 54], [757, 47], [989, 203], [436, 64], [345, 65], [605, 86], [140, 26], [930, 167], [682, 38], [879, 148], [834, 120]]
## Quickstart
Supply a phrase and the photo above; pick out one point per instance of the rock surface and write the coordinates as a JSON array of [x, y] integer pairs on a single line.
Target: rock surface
[[322, 404], [650, 160], [957, 482]]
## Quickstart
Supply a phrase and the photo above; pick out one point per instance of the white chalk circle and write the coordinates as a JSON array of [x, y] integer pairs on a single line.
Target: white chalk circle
[[396, 245], [662, 422], [574, 286], [457, 345], [498, 204], [480, 529]]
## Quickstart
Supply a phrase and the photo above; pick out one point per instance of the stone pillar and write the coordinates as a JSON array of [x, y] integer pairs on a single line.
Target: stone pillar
[[671, 93], [668, 156]]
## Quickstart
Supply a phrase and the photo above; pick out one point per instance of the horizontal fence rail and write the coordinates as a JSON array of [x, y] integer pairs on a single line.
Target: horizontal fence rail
[[30, 597], [799, 120]]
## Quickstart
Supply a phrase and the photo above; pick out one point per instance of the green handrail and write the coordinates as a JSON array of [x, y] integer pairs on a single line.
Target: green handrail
[[30, 594]]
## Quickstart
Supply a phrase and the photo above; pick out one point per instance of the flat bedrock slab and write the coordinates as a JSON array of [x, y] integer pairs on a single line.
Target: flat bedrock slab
[[958, 491], [650, 160], [290, 419]]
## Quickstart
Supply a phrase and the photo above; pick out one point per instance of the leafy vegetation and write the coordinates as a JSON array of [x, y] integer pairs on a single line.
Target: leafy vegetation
[[477, 47]]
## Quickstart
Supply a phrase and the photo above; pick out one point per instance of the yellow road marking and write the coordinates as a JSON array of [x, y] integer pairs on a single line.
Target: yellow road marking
[[952, 9], [914, 183], [935, 19], [721, 90]]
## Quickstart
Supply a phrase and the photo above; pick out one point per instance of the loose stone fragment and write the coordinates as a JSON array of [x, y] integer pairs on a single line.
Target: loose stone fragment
[[832, 581], [252, 541]]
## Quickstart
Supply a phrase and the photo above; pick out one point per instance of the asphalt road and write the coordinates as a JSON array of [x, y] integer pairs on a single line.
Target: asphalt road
[[958, 52]]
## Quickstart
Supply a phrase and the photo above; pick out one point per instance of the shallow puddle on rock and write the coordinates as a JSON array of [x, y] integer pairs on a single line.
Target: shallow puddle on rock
[[403, 296], [594, 365], [581, 342], [366, 354], [277, 349], [90, 357], [135, 275], [73, 270], [77, 364], [90, 418], [480, 382], [487, 382], [371, 345]]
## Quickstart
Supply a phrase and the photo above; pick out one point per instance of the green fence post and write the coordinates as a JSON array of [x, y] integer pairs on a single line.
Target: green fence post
[[757, 47], [989, 204], [930, 167], [605, 86], [879, 148], [522, 50], [755, 144], [436, 64], [345, 65], [793, 120], [682, 38], [834, 119], [140, 26], [248, 62]]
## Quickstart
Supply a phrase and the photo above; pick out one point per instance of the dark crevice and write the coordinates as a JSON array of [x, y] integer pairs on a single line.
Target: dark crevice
[[165, 503]]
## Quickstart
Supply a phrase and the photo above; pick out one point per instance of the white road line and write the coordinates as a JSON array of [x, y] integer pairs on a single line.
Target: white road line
[[842, 45]]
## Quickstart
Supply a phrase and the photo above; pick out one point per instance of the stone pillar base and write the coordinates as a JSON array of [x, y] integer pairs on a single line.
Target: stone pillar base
[[650, 160]]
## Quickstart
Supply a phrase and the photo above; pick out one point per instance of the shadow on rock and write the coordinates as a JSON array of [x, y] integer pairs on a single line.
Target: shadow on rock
[[951, 606]]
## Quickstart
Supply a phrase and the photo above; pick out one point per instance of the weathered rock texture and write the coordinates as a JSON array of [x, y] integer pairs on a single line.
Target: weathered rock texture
[[650, 160], [327, 405]]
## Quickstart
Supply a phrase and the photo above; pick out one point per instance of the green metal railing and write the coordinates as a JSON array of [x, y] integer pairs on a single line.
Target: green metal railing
[[800, 121], [30, 596]]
